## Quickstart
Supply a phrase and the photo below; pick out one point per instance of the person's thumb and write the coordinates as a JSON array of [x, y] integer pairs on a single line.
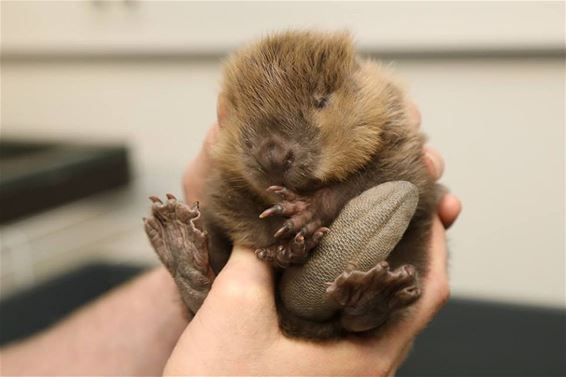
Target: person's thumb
[[244, 289]]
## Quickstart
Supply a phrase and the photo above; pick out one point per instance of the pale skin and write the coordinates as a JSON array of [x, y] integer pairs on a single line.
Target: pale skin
[[140, 328]]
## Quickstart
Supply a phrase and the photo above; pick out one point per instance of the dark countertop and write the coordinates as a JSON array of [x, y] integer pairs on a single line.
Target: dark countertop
[[467, 338]]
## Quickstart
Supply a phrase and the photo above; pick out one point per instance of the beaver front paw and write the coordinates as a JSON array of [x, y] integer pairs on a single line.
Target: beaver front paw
[[292, 251], [301, 231]]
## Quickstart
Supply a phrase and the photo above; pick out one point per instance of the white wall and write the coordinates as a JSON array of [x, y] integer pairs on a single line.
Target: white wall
[[218, 26], [498, 122]]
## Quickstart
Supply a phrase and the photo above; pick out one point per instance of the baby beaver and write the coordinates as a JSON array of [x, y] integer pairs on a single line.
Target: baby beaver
[[305, 126]]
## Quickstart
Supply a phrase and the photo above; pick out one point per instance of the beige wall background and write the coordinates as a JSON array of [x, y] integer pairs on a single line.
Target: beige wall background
[[489, 79]]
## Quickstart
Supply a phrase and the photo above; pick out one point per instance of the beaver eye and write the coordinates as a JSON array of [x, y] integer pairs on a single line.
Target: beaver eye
[[320, 102]]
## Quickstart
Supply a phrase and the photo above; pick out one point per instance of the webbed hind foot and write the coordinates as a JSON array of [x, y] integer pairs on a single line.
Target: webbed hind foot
[[368, 298], [176, 234]]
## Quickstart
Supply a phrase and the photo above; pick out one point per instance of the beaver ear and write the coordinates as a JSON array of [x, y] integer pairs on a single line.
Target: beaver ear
[[221, 109]]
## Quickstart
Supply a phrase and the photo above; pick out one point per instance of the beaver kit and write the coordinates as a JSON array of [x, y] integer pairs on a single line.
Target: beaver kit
[[318, 171]]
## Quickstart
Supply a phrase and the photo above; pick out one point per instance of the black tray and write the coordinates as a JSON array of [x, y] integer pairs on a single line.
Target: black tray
[[36, 176]]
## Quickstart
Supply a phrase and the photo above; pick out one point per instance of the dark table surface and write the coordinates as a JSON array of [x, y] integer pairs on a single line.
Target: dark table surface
[[40, 175], [467, 338]]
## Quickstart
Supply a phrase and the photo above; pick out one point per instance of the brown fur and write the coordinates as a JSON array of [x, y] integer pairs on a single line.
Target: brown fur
[[358, 138]]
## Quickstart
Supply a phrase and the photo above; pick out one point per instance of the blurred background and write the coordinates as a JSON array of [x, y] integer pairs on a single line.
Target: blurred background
[[120, 94]]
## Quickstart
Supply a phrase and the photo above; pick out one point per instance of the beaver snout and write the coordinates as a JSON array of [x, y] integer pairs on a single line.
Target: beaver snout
[[275, 156]]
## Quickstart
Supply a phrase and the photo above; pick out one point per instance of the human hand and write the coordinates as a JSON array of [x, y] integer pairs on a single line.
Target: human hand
[[236, 330], [195, 173]]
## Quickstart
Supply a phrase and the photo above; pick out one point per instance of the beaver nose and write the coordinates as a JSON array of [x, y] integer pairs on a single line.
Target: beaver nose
[[275, 156]]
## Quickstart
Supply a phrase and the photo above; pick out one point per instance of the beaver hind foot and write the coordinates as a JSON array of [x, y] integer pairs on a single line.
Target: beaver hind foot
[[369, 298], [176, 233]]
